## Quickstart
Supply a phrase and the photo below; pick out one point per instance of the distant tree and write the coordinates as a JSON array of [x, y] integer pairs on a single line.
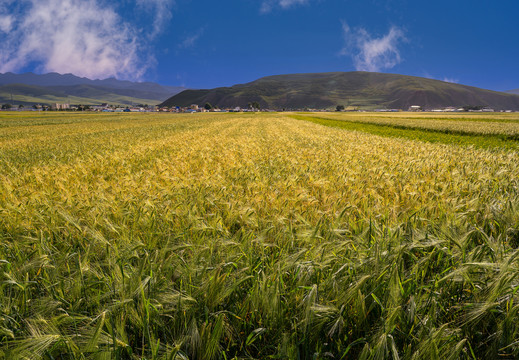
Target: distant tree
[[20, 106], [472, 107], [254, 105], [6, 106], [208, 106], [339, 108]]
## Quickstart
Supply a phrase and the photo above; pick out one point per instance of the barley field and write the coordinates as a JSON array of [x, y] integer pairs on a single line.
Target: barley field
[[258, 236]]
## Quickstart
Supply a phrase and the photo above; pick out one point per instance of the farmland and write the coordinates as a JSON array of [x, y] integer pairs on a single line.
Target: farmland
[[257, 236]]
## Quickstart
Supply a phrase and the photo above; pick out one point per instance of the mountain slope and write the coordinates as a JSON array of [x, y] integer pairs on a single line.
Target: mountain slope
[[515, 91], [54, 87], [91, 91], [27, 95], [365, 89]]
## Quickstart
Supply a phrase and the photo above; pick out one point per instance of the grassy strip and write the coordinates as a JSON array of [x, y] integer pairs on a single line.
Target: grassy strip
[[461, 117], [509, 129], [428, 135]]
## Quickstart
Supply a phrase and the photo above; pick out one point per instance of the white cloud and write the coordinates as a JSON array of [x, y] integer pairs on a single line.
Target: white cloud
[[372, 54], [451, 80], [6, 22], [84, 37], [268, 5], [446, 79], [190, 40], [159, 10]]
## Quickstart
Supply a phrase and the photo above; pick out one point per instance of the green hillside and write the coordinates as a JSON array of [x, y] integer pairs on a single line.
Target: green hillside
[[27, 95], [30, 88], [364, 89]]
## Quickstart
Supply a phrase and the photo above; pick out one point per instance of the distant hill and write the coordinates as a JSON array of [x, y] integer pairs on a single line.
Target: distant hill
[[50, 88], [27, 95], [515, 91], [364, 89]]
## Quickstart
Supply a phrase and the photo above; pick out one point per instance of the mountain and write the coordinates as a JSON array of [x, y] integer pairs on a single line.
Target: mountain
[[367, 90], [50, 88], [27, 95], [515, 91]]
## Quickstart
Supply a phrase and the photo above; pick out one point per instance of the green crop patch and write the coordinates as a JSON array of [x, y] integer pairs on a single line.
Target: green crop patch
[[487, 136]]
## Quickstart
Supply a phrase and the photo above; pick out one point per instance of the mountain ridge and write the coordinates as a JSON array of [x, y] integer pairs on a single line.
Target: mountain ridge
[[54, 87], [367, 90]]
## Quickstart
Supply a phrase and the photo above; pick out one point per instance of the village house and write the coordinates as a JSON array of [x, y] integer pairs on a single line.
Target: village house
[[58, 107]]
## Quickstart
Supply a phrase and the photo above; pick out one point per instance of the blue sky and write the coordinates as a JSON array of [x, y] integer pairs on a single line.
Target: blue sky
[[205, 44]]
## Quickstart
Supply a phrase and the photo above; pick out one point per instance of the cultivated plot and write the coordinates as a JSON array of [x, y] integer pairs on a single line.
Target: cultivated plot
[[212, 236]]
